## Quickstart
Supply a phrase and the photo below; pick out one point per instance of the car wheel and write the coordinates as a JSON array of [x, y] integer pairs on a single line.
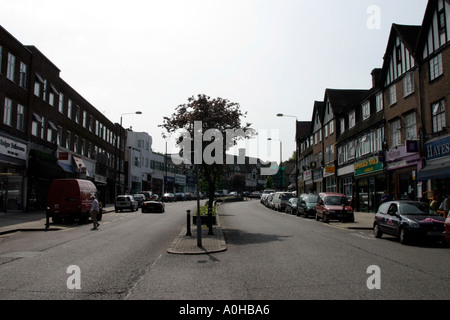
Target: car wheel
[[403, 236], [376, 231]]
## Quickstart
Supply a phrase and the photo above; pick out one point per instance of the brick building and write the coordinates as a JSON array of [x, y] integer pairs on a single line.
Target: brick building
[[394, 136], [56, 133]]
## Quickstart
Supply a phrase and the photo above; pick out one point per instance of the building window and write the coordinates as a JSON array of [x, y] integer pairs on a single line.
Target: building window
[[392, 95], [51, 99], [396, 133], [68, 138], [331, 128], [438, 110], [37, 89], [11, 67], [77, 114], [84, 119], [37, 120], [61, 103], [366, 110], [442, 27], [23, 75], [35, 128], [20, 117], [351, 119], [69, 109], [59, 137], [436, 68], [7, 112], [342, 125], [411, 129], [379, 102], [408, 84]]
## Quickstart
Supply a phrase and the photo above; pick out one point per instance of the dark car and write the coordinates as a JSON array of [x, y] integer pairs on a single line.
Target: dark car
[[307, 205], [447, 229], [408, 220], [291, 206], [153, 206], [140, 198], [333, 206]]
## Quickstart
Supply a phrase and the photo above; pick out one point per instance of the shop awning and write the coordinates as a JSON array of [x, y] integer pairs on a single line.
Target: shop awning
[[437, 170], [66, 167]]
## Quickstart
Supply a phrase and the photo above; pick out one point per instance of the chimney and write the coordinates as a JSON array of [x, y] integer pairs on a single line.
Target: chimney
[[376, 75]]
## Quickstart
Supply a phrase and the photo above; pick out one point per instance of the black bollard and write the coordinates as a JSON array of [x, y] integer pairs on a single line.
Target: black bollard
[[188, 233]]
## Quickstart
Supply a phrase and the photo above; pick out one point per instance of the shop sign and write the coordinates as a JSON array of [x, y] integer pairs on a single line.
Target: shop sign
[[368, 166], [329, 171], [307, 175], [13, 148], [438, 149]]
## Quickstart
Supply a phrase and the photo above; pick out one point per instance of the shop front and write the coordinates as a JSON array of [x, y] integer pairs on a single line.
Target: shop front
[[435, 175], [370, 184], [13, 158], [403, 167]]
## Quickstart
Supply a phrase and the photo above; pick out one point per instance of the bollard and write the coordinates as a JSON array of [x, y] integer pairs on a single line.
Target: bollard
[[188, 233]]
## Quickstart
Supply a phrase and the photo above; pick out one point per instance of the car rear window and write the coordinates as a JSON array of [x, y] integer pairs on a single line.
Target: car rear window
[[122, 199]]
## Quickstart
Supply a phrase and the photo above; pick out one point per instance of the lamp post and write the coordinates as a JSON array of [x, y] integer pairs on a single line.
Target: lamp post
[[281, 158], [281, 115], [120, 143]]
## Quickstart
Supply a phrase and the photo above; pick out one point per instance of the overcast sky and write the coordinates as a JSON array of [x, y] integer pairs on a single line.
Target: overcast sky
[[270, 56]]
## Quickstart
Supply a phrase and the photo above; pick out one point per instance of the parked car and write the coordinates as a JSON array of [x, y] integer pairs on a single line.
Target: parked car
[[148, 195], [71, 199], [153, 206], [269, 201], [291, 206], [280, 199], [408, 220], [180, 196], [126, 202], [333, 206], [168, 197], [447, 229], [307, 205], [265, 195], [140, 198]]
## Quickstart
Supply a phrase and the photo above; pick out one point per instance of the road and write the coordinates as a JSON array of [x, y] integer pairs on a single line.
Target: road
[[270, 256]]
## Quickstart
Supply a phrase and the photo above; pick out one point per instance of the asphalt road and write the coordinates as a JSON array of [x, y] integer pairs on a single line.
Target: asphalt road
[[270, 256]]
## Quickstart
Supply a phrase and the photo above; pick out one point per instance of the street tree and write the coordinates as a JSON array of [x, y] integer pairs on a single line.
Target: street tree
[[212, 126]]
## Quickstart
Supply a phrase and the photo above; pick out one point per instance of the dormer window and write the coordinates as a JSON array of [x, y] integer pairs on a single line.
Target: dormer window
[[366, 110], [351, 119]]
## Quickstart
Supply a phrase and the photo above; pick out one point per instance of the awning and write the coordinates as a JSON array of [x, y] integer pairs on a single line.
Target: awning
[[81, 166], [437, 170], [66, 167], [42, 168]]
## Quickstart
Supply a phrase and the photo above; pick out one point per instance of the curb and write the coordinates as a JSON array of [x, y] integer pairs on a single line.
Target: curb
[[187, 245]]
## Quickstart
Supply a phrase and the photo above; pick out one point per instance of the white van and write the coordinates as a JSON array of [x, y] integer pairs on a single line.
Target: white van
[[280, 199]]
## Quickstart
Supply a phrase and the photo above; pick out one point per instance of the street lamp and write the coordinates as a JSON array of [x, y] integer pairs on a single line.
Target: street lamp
[[281, 115], [121, 143]]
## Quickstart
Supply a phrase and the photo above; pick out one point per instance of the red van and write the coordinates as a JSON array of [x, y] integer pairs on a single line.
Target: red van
[[71, 199]]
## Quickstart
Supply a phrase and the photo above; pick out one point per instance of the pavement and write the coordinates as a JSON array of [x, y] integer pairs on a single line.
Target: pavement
[[17, 221]]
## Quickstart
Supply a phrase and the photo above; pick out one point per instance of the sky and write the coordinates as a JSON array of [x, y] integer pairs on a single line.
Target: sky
[[270, 56]]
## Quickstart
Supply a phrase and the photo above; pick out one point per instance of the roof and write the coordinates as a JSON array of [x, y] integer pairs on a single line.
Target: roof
[[303, 129], [341, 99]]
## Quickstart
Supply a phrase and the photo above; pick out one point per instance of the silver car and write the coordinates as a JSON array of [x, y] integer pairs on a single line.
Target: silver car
[[126, 202]]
